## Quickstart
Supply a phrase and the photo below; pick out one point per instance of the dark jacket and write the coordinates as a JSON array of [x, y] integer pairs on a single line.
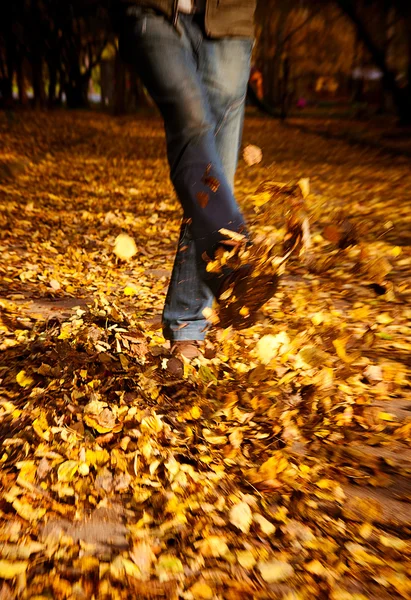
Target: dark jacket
[[223, 18]]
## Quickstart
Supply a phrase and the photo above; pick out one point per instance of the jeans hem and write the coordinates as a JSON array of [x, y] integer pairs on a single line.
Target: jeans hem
[[186, 334]]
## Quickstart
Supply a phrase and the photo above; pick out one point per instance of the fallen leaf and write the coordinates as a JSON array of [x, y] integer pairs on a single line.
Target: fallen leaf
[[275, 571], [23, 379], [241, 516], [9, 570], [201, 591], [67, 470]]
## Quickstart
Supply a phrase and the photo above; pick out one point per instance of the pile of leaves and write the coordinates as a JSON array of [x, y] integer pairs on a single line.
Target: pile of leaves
[[277, 469]]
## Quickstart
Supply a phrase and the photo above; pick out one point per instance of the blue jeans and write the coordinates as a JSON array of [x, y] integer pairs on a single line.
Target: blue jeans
[[199, 85]]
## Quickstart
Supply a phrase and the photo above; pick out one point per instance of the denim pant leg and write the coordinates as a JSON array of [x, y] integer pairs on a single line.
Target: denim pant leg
[[224, 68], [168, 65]]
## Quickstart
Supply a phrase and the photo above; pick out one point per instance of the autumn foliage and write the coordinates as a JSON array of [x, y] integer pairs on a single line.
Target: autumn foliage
[[277, 469]]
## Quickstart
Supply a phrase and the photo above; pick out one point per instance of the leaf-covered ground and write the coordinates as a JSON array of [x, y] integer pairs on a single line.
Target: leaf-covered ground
[[278, 469]]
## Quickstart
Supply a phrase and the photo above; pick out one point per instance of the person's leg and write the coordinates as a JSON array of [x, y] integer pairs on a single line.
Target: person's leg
[[168, 67], [224, 67]]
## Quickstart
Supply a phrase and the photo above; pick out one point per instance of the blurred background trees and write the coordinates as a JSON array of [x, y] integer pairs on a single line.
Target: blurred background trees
[[308, 53]]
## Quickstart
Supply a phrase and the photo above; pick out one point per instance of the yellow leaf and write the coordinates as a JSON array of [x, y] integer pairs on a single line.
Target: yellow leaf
[[213, 546], [393, 542], [361, 556], [23, 379], [130, 291], [384, 416], [316, 568], [123, 566], [41, 427], [20, 551], [317, 318], [152, 424], [339, 345], [67, 470], [274, 465], [384, 319], [275, 570], [92, 421], [27, 512], [261, 198], [236, 438], [196, 412], [214, 439], [304, 185], [9, 570], [201, 591], [168, 565], [246, 558], [270, 346], [124, 247], [366, 530], [341, 594], [98, 457], [65, 331], [28, 470], [84, 469], [241, 516], [360, 313], [326, 484], [265, 525]]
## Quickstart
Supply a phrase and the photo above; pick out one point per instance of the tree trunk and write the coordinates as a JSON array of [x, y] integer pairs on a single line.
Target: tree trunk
[[401, 96], [21, 82], [275, 69], [38, 82], [77, 92], [120, 87], [52, 84], [6, 81]]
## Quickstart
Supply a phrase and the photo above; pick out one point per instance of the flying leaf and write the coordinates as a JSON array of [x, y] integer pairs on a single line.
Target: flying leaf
[[252, 155], [304, 185], [124, 247]]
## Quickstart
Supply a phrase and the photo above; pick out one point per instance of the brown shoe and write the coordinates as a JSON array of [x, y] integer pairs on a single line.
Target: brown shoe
[[242, 294], [187, 350]]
